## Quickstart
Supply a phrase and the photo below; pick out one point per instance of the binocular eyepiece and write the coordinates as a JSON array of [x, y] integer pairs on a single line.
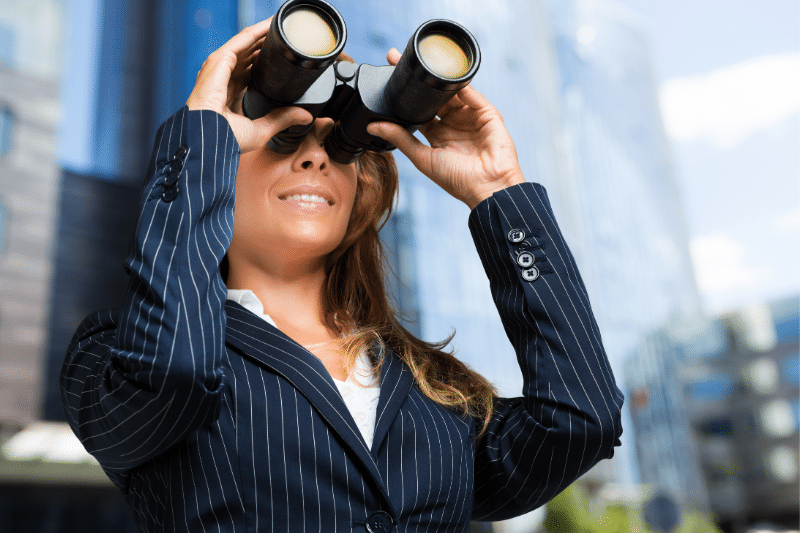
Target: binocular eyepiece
[[298, 66]]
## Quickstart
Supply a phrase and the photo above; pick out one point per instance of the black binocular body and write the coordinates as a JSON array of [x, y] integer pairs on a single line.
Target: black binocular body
[[298, 66]]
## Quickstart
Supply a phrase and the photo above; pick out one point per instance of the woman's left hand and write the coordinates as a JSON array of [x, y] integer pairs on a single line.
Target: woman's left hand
[[471, 155]]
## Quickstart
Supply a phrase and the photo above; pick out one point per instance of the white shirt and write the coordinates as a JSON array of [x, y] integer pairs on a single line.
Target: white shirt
[[360, 392]]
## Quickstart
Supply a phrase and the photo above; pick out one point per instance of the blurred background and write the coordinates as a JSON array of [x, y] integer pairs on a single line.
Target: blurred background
[[666, 133]]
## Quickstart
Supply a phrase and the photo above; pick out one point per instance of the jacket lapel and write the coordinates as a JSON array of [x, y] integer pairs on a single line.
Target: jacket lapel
[[396, 381], [254, 338]]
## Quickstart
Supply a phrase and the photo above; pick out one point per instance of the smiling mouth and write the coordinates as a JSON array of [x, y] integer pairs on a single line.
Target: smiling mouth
[[313, 198]]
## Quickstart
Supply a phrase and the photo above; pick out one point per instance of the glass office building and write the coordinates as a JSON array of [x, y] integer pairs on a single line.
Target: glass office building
[[624, 211], [629, 232], [715, 410], [30, 185]]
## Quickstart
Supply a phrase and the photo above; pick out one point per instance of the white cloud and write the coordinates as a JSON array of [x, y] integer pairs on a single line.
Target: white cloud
[[722, 265], [727, 104]]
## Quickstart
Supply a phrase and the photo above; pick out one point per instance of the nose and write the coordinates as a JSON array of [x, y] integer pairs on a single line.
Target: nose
[[311, 155]]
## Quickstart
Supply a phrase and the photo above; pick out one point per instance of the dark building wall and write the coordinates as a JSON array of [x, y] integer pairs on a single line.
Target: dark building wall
[[150, 52], [96, 219]]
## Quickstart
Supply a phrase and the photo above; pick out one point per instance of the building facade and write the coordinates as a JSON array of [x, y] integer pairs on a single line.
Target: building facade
[[623, 212], [723, 405], [30, 185]]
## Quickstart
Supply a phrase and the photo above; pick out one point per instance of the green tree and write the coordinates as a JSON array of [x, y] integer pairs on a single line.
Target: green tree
[[569, 512]]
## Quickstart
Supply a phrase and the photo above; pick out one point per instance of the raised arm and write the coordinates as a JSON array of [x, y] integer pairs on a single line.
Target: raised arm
[[569, 416], [137, 381]]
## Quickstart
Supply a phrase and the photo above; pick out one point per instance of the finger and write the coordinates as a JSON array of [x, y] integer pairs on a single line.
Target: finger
[[248, 36], [393, 56], [412, 148], [254, 47], [429, 126], [471, 97], [453, 105]]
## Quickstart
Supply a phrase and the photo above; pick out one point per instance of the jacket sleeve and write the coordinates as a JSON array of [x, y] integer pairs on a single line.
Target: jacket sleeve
[[137, 381], [569, 416]]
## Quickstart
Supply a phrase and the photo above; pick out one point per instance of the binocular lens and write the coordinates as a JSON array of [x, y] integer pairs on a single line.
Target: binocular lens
[[444, 56], [310, 32]]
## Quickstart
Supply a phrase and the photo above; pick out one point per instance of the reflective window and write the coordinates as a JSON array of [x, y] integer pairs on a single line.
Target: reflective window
[[722, 427], [790, 369], [7, 121], [715, 388], [3, 225], [787, 320], [8, 38]]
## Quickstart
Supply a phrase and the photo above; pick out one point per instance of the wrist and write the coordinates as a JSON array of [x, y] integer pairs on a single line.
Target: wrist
[[488, 189]]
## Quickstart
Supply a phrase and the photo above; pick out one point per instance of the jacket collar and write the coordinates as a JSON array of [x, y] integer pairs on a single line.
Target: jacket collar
[[257, 340]]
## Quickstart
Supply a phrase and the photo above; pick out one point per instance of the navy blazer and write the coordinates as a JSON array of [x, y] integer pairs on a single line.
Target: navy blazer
[[209, 419]]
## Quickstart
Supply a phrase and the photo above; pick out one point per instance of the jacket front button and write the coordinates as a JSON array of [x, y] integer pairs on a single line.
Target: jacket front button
[[379, 522]]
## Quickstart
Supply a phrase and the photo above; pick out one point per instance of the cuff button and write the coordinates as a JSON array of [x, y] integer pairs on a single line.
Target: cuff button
[[525, 259], [530, 274], [180, 153], [516, 235], [171, 178]]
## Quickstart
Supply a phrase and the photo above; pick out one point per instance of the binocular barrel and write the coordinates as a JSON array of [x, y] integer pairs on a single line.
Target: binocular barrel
[[439, 59], [298, 66], [305, 38]]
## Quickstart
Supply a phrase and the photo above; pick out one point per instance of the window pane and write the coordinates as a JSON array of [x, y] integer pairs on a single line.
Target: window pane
[[6, 129], [790, 369], [715, 388]]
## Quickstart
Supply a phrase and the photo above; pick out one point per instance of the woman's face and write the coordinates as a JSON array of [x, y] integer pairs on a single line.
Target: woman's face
[[292, 207]]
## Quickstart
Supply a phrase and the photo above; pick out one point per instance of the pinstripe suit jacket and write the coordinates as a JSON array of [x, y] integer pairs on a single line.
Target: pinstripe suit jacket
[[209, 419]]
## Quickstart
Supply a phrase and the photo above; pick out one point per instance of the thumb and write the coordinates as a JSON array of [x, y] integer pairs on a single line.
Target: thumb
[[281, 118], [417, 152], [265, 128]]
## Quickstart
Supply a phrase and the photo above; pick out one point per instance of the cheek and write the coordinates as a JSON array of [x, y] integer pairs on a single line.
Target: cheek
[[349, 196]]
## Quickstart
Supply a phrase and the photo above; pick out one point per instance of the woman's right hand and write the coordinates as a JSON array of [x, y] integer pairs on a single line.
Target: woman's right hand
[[222, 81]]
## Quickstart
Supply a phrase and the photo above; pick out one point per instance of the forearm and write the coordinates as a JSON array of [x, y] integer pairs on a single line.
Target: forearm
[[136, 382], [568, 418]]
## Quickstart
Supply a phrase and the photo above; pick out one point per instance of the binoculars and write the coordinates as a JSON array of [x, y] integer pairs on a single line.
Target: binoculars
[[298, 66]]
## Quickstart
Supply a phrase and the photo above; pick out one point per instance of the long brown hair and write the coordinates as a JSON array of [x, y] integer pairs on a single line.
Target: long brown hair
[[356, 303]]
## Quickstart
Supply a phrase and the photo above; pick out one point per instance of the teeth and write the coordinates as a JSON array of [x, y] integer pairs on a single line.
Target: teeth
[[307, 198]]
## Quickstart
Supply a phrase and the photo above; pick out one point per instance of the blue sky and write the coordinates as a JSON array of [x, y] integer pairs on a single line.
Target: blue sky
[[729, 77]]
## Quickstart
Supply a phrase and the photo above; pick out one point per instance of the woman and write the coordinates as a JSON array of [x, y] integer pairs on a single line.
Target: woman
[[287, 397]]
